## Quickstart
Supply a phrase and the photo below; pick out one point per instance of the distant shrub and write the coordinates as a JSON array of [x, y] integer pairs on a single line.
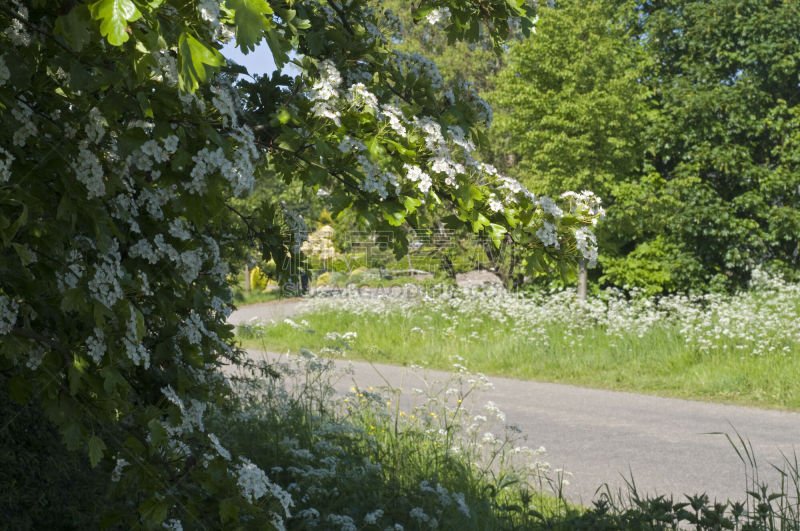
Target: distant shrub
[[323, 280], [258, 280]]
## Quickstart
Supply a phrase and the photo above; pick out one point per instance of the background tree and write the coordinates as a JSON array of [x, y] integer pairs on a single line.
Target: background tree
[[724, 78], [571, 110]]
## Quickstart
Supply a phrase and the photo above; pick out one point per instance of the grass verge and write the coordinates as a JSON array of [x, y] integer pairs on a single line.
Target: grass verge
[[743, 349]]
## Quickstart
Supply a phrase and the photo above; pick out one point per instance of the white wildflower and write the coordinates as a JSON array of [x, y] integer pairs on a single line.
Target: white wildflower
[[6, 159]]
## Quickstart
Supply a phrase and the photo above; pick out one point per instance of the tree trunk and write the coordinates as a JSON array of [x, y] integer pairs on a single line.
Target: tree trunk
[[582, 280]]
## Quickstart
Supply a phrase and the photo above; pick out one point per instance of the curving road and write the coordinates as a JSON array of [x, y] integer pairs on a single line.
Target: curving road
[[604, 436]]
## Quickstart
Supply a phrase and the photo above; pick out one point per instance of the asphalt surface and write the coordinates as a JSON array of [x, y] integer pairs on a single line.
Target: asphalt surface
[[605, 437]]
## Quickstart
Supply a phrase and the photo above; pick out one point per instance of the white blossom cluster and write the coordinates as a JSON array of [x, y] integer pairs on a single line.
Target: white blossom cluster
[[325, 92], [191, 415], [16, 32], [96, 345], [167, 71], [395, 117], [224, 102], [173, 524], [120, 465], [255, 484], [104, 285], [585, 201], [586, 242], [359, 96], [209, 11], [6, 159], [134, 349], [240, 172], [150, 154], [221, 450], [416, 175], [8, 314], [74, 271], [89, 172], [438, 15], [95, 126], [23, 114], [375, 179]]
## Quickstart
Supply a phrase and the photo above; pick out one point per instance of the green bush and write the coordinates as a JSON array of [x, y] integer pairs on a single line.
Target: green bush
[[42, 484], [258, 280], [323, 280]]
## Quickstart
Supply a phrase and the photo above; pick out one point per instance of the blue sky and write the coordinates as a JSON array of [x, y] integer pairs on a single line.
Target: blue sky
[[257, 62]]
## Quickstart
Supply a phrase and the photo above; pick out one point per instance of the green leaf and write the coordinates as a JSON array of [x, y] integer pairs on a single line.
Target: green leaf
[[250, 19], [96, 448], [154, 510], [114, 16], [75, 376], [496, 233], [141, 330], [74, 27], [26, 256], [194, 59], [144, 105], [19, 389], [228, 510], [72, 436], [157, 432]]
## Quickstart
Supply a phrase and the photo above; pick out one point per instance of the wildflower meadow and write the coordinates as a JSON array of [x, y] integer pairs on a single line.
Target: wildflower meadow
[[741, 348]]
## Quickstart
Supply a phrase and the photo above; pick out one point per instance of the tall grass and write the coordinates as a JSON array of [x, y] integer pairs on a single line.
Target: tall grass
[[357, 461], [743, 348]]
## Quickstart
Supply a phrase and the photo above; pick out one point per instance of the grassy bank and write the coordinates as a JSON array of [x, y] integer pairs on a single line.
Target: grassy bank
[[742, 349]]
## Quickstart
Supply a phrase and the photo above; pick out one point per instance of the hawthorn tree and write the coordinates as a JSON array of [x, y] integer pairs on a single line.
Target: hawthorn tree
[[571, 110], [125, 154]]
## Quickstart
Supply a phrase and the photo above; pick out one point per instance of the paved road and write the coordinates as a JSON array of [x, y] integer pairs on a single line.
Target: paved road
[[600, 436], [267, 311]]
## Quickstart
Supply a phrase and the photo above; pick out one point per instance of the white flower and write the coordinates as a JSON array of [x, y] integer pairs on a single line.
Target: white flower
[[104, 285], [116, 474], [548, 234], [372, 518], [255, 484], [395, 116], [173, 524], [24, 115], [438, 15], [415, 174], [586, 242], [209, 11], [89, 171], [96, 346], [494, 204], [95, 126], [225, 454], [17, 32], [418, 514], [6, 159], [359, 94], [348, 145]]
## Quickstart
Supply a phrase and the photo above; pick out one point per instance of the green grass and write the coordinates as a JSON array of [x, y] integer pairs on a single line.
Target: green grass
[[659, 362], [240, 298]]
